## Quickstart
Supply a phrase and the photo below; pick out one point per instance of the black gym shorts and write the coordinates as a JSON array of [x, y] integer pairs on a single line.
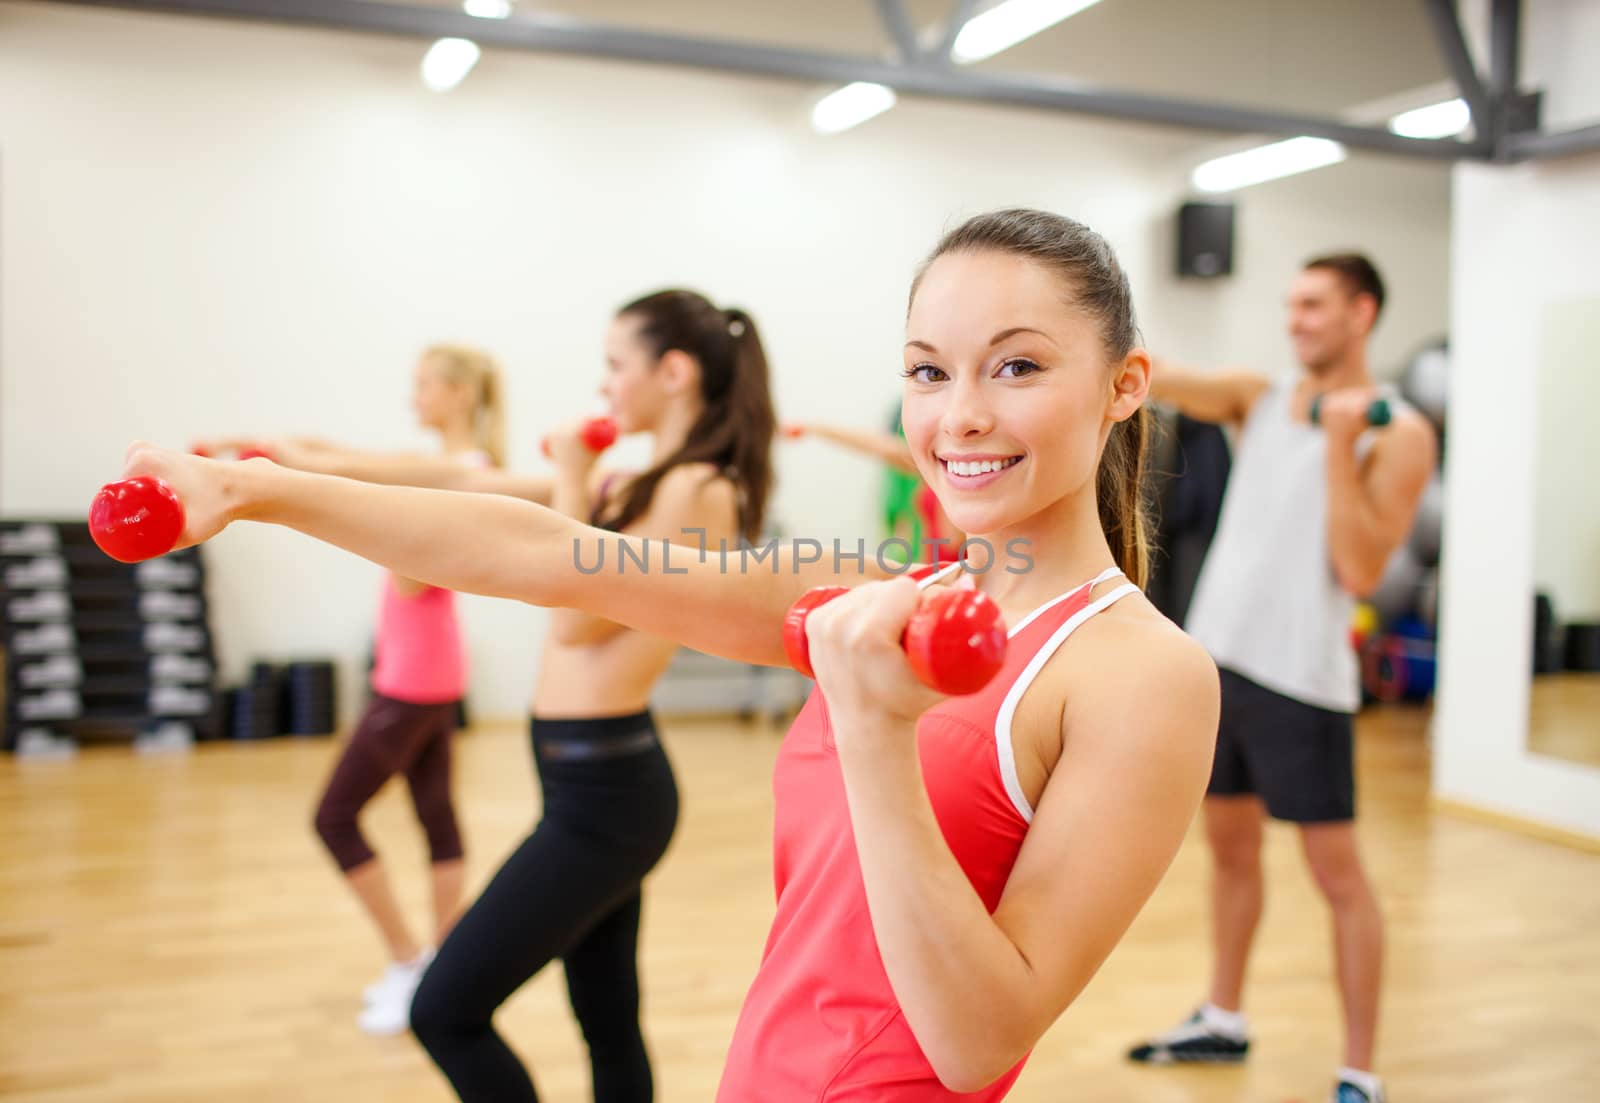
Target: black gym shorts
[[1298, 758]]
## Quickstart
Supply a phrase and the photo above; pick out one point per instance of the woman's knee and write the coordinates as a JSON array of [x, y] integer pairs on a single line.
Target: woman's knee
[[336, 826], [435, 1017]]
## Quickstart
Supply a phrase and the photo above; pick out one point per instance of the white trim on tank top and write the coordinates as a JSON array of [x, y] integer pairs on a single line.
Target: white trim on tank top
[[1104, 576], [1008, 708]]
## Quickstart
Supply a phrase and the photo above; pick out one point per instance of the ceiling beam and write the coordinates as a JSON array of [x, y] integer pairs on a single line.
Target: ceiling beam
[[550, 34], [961, 12], [1531, 145], [898, 24], [1458, 59]]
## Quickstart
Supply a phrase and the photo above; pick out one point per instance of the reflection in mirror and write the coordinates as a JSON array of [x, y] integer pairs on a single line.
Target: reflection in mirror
[[1564, 704]]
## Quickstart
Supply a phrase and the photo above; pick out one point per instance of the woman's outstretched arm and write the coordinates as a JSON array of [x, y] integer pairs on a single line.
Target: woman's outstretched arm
[[395, 468], [723, 601]]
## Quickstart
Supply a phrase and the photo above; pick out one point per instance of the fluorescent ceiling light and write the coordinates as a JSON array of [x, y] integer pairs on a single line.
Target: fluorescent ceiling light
[[1438, 120], [447, 62], [1253, 166], [1006, 24], [487, 9], [850, 106]]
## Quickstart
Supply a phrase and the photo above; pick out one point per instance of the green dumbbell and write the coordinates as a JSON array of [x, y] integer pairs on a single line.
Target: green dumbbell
[[1378, 413]]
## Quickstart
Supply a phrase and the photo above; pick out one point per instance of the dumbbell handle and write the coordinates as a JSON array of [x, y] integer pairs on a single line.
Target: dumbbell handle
[[1378, 413], [597, 434], [955, 642]]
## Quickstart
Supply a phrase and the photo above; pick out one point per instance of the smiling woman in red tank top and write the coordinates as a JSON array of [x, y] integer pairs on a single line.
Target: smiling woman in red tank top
[[951, 873]]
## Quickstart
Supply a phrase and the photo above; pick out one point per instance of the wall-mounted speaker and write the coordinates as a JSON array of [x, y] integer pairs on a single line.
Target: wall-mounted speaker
[[1205, 239]]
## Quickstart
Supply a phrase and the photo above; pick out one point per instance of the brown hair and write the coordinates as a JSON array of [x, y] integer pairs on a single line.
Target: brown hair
[[734, 432], [1359, 274], [1083, 259]]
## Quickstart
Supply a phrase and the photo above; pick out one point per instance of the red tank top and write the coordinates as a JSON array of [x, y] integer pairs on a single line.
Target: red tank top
[[821, 1023]]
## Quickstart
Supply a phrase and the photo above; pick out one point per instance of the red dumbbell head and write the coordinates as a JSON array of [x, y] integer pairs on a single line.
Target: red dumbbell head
[[794, 626], [599, 433], [956, 641], [136, 519]]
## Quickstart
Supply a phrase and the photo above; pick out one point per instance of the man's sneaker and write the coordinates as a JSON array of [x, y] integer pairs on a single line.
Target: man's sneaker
[[1195, 1041], [1350, 1090]]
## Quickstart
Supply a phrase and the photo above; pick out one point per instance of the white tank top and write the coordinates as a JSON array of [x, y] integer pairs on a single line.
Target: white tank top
[[1266, 604]]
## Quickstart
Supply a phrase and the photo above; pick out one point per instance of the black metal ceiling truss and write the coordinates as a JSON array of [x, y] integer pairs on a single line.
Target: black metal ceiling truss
[[1503, 120]]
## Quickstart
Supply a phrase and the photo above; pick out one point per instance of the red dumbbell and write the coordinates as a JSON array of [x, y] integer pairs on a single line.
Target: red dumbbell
[[597, 434], [955, 641], [795, 644], [794, 621], [136, 519]]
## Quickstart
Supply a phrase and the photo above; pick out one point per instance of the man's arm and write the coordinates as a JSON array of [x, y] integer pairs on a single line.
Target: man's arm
[[1224, 398], [1372, 502]]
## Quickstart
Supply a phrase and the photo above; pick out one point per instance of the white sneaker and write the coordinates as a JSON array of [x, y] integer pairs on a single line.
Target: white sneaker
[[390, 1013], [399, 973]]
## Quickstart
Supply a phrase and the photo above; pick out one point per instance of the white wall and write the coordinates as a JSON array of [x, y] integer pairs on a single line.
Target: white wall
[[1523, 238], [1558, 57], [215, 226]]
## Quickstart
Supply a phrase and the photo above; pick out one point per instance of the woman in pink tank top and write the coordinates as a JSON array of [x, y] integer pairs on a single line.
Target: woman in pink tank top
[[419, 675], [950, 873]]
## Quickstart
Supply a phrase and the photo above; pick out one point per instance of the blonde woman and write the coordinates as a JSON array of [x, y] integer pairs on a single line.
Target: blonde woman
[[420, 674]]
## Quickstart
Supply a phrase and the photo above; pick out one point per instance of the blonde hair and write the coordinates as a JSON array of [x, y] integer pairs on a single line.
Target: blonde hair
[[474, 368]]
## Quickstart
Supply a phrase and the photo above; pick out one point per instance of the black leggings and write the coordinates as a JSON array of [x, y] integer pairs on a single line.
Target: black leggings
[[570, 891]]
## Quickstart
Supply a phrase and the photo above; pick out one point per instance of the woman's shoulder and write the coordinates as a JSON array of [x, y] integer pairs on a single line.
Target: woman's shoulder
[[700, 489], [1132, 651], [693, 479]]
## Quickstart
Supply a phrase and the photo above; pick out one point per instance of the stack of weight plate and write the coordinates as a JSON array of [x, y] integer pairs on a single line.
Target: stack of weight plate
[[253, 708], [308, 698]]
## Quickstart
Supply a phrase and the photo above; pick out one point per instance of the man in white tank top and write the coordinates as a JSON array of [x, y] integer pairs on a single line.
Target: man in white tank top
[[1309, 520]]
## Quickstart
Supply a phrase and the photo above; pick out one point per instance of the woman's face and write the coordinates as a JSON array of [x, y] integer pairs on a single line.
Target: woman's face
[[1007, 391], [633, 389], [438, 402]]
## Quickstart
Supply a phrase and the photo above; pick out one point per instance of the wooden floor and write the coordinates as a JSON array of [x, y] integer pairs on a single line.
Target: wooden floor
[[169, 930]]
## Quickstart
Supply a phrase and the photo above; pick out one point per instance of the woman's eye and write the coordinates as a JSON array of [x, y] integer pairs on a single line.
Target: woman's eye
[[1019, 367], [924, 373]]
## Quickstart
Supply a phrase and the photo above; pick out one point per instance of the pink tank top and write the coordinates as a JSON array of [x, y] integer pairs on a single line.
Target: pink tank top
[[821, 1023], [420, 655]]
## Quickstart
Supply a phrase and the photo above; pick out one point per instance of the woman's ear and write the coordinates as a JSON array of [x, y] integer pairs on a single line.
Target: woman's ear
[[1130, 385], [680, 372]]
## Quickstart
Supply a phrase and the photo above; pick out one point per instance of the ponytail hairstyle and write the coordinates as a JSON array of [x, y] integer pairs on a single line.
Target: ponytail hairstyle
[[1098, 286], [735, 429], [477, 370]]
